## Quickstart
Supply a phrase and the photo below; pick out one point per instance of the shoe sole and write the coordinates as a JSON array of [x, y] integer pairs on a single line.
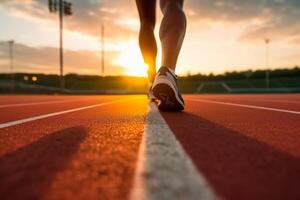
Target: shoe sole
[[167, 98]]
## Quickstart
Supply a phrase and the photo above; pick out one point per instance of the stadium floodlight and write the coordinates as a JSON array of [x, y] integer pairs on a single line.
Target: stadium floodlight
[[267, 42], [102, 50], [11, 56], [53, 6], [65, 9]]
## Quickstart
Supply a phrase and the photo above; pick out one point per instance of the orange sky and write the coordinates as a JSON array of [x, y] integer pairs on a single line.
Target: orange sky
[[221, 36]]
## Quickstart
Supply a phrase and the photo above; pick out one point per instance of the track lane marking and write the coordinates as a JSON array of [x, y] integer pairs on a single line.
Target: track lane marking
[[256, 100], [164, 170], [275, 101], [246, 106], [36, 103], [30, 119]]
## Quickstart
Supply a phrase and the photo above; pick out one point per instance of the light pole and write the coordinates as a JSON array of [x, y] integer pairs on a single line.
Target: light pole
[[267, 42], [64, 8], [11, 56], [61, 51], [102, 51]]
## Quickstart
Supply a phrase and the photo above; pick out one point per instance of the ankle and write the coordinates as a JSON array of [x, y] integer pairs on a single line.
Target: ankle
[[170, 69]]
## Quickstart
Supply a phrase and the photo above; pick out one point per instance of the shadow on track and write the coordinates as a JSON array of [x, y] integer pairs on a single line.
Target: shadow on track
[[28, 172], [237, 166]]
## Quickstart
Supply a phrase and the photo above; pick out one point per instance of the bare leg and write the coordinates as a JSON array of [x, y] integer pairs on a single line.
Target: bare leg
[[147, 40], [172, 31]]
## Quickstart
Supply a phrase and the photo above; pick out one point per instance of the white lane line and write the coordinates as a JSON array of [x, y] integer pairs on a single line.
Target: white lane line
[[246, 106], [164, 171], [256, 100], [30, 119], [36, 103], [276, 101]]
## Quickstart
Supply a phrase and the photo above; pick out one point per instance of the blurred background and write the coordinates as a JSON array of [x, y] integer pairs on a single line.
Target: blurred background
[[91, 47]]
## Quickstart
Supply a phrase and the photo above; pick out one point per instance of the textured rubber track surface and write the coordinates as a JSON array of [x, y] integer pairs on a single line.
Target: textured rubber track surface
[[49, 104], [243, 153], [89, 154], [288, 102], [11, 99]]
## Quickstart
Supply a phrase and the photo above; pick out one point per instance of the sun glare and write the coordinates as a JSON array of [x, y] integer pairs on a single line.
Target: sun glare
[[131, 59]]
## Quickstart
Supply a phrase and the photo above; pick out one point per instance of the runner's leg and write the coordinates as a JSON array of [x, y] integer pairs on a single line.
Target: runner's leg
[[147, 40], [172, 31]]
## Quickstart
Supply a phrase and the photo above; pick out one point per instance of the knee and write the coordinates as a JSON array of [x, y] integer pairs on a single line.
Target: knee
[[174, 8], [147, 24]]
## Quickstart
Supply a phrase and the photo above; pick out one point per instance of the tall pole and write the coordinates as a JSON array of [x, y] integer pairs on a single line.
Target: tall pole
[[61, 57], [11, 56], [267, 41], [64, 8], [102, 50]]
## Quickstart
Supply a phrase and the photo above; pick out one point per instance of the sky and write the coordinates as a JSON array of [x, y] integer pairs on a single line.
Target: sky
[[222, 35]]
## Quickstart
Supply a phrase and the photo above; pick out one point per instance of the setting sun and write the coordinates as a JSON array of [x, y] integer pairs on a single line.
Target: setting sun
[[140, 70], [131, 59]]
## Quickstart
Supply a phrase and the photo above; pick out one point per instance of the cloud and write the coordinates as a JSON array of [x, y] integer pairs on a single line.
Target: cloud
[[45, 59], [87, 15], [225, 25], [257, 19]]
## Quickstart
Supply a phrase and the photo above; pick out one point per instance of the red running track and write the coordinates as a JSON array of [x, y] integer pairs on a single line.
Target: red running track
[[88, 154], [244, 153]]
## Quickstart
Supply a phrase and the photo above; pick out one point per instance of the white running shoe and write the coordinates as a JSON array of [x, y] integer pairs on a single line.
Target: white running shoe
[[165, 89]]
